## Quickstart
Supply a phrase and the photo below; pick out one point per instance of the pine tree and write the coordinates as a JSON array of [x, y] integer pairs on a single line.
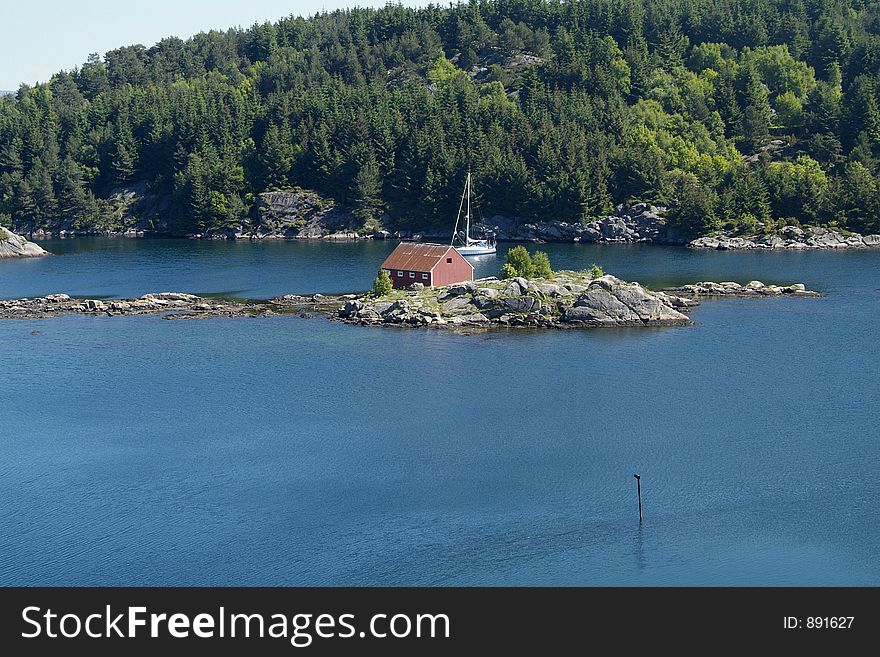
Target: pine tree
[[367, 193], [695, 214], [754, 102], [276, 158]]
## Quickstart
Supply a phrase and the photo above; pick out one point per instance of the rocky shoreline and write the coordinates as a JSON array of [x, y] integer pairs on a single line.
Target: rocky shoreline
[[568, 300], [790, 237], [306, 215], [15, 246], [171, 305], [303, 214], [732, 289]]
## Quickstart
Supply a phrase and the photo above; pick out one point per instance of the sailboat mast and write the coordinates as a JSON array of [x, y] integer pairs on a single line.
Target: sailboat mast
[[458, 216], [468, 216]]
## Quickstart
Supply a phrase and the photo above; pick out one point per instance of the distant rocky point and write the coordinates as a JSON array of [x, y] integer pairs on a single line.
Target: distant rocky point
[[15, 246], [790, 237], [174, 305], [732, 289]]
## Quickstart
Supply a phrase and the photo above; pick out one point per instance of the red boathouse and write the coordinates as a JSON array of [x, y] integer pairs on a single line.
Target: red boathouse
[[428, 264]]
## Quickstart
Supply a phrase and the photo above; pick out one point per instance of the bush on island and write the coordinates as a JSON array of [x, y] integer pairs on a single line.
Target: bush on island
[[541, 265], [382, 284], [519, 263], [507, 271]]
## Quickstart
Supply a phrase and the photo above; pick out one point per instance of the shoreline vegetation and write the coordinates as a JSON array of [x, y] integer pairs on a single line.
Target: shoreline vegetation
[[738, 118]]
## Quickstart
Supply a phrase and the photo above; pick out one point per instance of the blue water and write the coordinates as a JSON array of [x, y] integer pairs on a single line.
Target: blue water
[[138, 451]]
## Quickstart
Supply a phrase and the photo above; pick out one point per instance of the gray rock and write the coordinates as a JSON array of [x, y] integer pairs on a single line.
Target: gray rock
[[705, 243], [606, 282], [473, 318], [649, 307], [456, 304], [551, 290], [483, 302], [458, 289], [599, 305], [350, 309], [170, 296], [15, 246], [399, 306], [521, 304], [368, 314], [514, 289]]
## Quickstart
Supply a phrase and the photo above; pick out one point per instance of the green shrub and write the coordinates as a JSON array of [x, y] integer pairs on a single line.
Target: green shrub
[[520, 263], [748, 224], [507, 271], [382, 284], [596, 271], [541, 265]]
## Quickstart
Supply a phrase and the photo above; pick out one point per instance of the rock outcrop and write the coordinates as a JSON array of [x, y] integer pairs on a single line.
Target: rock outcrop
[[790, 237], [570, 299], [15, 246], [130, 210], [302, 214], [732, 289]]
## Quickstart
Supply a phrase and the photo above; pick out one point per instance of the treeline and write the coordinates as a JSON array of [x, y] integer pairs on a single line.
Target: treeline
[[561, 109]]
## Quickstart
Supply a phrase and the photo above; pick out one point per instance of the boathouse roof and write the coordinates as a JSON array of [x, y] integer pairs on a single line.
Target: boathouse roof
[[415, 256]]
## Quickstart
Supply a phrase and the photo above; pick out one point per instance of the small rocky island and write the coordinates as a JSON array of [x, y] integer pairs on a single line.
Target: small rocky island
[[15, 246], [567, 300]]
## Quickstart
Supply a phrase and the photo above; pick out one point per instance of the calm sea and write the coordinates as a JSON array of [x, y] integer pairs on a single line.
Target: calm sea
[[138, 451]]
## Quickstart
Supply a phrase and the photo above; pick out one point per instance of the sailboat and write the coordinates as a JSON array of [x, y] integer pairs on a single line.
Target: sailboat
[[468, 246]]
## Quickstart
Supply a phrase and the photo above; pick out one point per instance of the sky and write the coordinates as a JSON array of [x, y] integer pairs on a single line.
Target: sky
[[41, 37]]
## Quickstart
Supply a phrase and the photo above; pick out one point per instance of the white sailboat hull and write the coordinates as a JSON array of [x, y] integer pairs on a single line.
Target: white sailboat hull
[[474, 250]]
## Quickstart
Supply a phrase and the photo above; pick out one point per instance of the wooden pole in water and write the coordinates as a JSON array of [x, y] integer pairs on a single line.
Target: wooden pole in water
[[639, 486]]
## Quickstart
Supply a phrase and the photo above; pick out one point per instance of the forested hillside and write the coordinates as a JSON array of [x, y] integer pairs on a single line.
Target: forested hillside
[[562, 109]]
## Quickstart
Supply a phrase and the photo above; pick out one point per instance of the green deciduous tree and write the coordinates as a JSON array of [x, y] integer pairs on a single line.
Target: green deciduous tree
[[520, 263], [541, 265]]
